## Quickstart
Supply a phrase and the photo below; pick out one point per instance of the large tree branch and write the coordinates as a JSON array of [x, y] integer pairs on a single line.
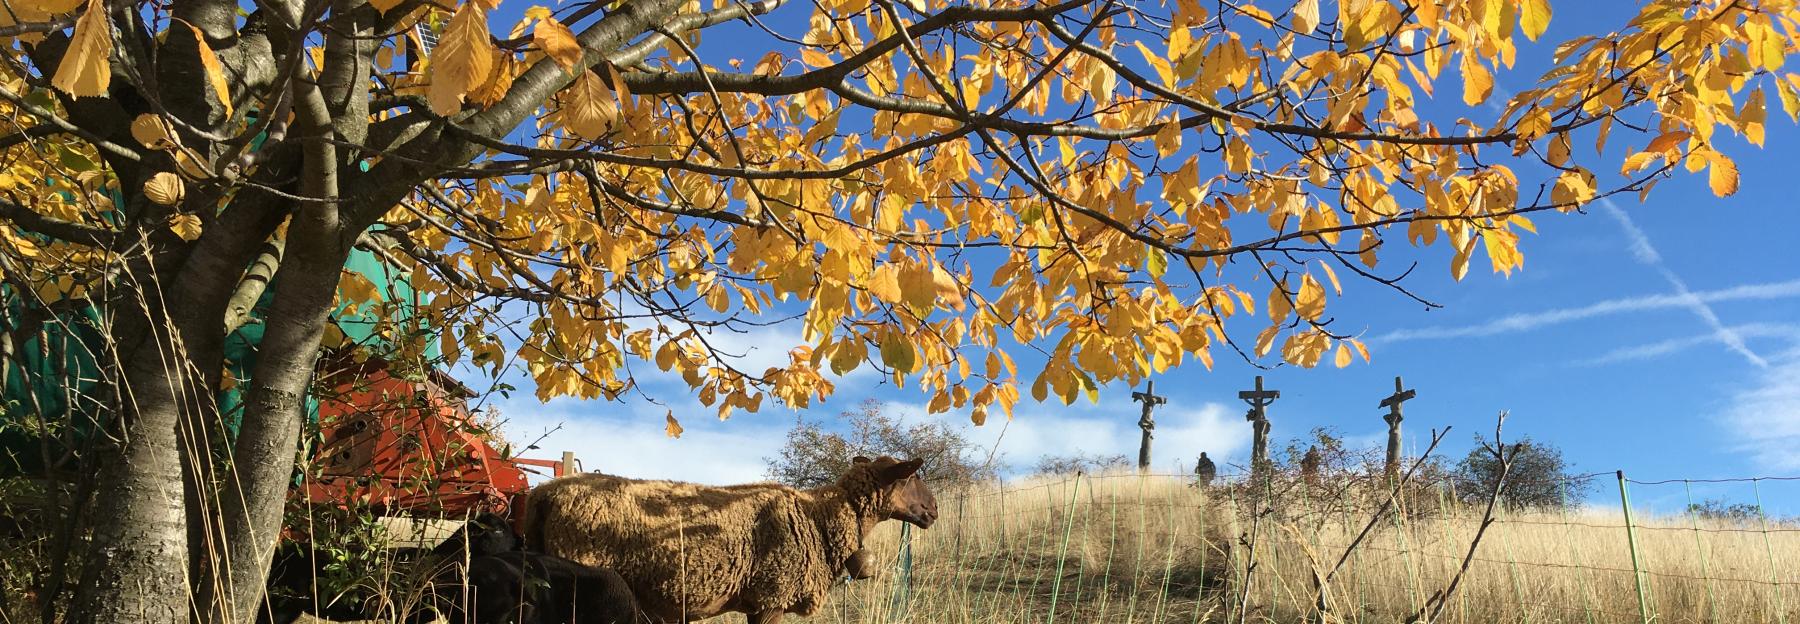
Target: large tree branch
[[535, 86], [827, 77], [344, 79], [637, 52], [217, 19], [59, 229]]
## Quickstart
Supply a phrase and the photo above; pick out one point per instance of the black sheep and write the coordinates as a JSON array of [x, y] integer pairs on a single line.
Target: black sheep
[[485, 534], [534, 588], [504, 585]]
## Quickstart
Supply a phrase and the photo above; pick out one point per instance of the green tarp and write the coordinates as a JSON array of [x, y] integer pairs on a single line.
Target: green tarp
[[50, 398]]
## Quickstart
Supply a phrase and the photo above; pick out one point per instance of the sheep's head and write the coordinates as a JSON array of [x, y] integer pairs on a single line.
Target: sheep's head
[[899, 489]]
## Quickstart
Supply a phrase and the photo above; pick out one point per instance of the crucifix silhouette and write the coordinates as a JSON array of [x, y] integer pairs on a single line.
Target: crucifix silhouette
[[1147, 422], [1259, 400], [1393, 418]]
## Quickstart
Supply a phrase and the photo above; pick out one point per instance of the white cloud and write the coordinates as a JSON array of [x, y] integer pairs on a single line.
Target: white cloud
[[1530, 321], [628, 439], [1110, 428], [1765, 416], [1646, 254], [1675, 345]]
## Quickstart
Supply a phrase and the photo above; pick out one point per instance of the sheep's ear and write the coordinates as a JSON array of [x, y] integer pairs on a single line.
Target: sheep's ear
[[860, 460], [901, 470]]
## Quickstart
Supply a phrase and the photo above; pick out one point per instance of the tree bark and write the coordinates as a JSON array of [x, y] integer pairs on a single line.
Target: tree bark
[[135, 568], [256, 483]]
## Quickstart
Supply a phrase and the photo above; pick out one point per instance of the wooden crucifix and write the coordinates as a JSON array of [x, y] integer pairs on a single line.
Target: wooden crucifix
[[1393, 418], [1259, 400], [1147, 422]]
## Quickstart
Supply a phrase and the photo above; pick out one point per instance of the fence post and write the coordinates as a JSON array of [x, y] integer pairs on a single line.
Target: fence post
[[1587, 588], [1774, 581], [1712, 601], [1062, 552], [1637, 571], [903, 581]]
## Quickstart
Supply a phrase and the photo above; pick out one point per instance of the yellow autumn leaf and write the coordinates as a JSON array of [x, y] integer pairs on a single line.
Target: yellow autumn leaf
[[1459, 264], [1573, 188], [1266, 340], [45, 8], [848, 354], [1310, 303], [383, 6], [1306, 16], [671, 427], [215, 71], [1723, 176], [1330, 274], [557, 42], [1342, 359], [917, 288], [461, 61], [1304, 349], [948, 290], [86, 68], [1477, 82], [1278, 304], [1168, 138], [884, 283], [1534, 17], [165, 188], [586, 107], [186, 226], [1666, 143], [153, 131], [499, 80], [897, 353]]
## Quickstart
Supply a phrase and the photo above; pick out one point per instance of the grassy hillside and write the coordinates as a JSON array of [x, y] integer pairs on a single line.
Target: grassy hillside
[[1123, 548], [1119, 548]]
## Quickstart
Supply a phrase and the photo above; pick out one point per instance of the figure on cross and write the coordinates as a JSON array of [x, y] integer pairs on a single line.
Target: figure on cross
[[1259, 400], [1392, 402], [1147, 422]]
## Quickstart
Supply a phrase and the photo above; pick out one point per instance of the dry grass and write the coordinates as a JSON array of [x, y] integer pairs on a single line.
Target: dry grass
[[1120, 548], [1156, 550]]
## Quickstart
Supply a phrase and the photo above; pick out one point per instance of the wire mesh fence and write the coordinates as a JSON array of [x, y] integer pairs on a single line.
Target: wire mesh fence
[[1157, 548]]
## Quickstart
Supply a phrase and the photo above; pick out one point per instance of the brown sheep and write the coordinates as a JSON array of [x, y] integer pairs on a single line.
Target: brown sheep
[[691, 551]]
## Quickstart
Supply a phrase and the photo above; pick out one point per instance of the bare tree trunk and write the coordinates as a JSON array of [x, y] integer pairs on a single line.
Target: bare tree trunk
[[256, 483], [135, 569]]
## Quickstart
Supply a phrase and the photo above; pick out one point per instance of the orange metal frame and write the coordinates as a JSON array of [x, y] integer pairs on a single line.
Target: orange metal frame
[[405, 446]]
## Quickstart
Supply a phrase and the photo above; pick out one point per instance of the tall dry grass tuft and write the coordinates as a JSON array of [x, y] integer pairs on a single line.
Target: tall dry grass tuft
[[1124, 548]]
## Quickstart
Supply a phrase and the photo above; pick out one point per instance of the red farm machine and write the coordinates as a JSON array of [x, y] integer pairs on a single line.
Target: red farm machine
[[409, 445]]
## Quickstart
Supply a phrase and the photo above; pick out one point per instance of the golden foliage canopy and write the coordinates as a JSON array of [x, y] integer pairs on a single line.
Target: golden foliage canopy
[[923, 187]]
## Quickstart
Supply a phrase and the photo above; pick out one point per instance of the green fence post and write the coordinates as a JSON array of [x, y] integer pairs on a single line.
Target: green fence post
[[1774, 581], [1712, 601], [1062, 552], [903, 576], [1637, 570], [1205, 501], [1162, 597], [1587, 589]]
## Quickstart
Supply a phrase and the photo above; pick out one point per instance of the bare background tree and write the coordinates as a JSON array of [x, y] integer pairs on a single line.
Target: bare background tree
[[816, 453], [1539, 477], [1080, 462]]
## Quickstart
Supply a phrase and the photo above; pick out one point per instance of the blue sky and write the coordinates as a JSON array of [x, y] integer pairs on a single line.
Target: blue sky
[[1662, 339]]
